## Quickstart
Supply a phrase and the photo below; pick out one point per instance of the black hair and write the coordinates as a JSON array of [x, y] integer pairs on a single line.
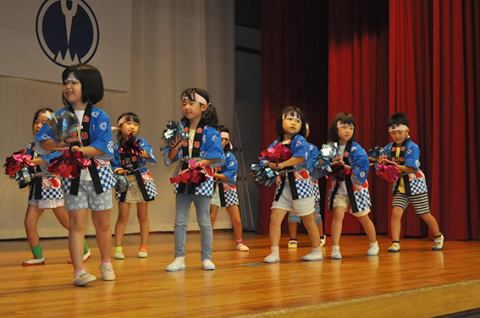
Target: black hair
[[39, 112], [209, 116], [129, 116], [398, 119], [223, 128], [345, 118], [279, 126], [91, 80]]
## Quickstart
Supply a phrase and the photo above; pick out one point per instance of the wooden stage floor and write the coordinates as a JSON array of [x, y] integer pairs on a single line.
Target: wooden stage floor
[[416, 282]]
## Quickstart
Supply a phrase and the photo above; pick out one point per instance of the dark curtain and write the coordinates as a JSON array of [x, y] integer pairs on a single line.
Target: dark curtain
[[434, 79], [358, 84], [417, 57], [294, 72]]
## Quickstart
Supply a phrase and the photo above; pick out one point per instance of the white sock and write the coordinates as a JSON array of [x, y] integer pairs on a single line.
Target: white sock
[[275, 250]]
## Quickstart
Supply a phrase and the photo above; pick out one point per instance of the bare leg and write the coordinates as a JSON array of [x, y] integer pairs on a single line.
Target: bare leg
[[101, 221], [337, 224], [236, 221], [320, 229], [276, 219], [76, 237], [123, 216], [396, 222], [309, 223], [292, 229], [213, 214], [62, 216], [431, 222], [142, 214], [31, 220], [369, 228]]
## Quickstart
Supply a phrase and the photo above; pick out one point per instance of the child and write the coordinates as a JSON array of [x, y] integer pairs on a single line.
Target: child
[[203, 148], [225, 194], [45, 193], [294, 187], [142, 187], [83, 88], [349, 188], [411, 187], [293, 219]]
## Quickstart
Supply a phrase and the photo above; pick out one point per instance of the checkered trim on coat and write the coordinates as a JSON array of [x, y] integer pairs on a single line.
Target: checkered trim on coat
[[231, 195], [362, 199]]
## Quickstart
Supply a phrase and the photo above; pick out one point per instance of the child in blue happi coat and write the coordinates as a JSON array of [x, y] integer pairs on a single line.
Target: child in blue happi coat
[[349, 187], [294, 189], [196, 156], [132, 153], [411, 187]]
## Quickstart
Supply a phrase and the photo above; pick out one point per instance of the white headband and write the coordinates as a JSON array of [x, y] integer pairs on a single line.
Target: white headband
[[291, 115], [196, 98], [46, 113], [225, 135], [341, 124], [397, 127], [71, 77]]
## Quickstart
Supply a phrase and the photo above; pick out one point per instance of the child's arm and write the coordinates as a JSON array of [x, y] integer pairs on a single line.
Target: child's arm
[[175, 146], [38, 161], [88, 151], [405, 169], [206, 162], [287, 163], [220, 176]]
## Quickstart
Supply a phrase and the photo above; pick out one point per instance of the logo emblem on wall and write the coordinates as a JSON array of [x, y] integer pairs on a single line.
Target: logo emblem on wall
[[67, 31]]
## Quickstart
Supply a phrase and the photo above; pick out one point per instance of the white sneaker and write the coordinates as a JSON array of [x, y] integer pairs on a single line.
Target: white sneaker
[[142, 253], [395, 247], [438, 243], [83, 278], [323, 240], [292, 244], [34, 261], [336, 253], [208, 265], [107, 271], [313, 257], [272, 258], [177, 265], [373, 249], [118, 255], [242, 248]]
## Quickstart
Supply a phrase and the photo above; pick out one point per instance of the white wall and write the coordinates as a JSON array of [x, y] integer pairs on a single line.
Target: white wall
[[175, 44]]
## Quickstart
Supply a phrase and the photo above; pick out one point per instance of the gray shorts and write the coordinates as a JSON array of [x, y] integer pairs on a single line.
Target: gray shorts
[[87, 198]]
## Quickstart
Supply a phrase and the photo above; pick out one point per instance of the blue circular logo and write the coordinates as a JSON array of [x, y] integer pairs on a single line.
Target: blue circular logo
[[67, 31]]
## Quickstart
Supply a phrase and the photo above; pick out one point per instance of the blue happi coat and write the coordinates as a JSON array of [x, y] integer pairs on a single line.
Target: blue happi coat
[[298, 176], [229, 169], [44, 186], [100, 133], [147, 185], [210, 148], [415, 182], [356, 184]]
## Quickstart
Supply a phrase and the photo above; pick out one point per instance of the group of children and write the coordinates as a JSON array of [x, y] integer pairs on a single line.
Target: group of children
[[295, 186], [204, 149], [127, 159]]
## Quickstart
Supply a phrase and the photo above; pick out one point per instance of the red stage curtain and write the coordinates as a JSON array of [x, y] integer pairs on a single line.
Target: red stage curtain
[[294, 60], [434, 79], [358, 84], [417, 57]]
